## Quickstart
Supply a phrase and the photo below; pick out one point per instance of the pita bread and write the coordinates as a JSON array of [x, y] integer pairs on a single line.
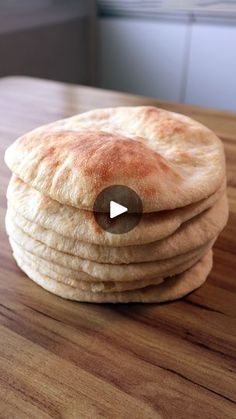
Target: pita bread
[[77, 278], [168, 159], [102, 271], [190, 236], [81, 225], [170, 289], [61, 274]]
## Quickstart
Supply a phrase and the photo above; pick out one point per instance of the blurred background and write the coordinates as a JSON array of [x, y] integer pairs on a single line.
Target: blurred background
[[183, 51]]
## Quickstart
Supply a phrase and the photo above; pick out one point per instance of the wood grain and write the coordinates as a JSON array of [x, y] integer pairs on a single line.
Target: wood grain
[[60, 359]]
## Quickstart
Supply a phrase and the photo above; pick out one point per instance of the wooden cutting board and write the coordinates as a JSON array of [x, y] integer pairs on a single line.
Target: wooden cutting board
[[62, 359]]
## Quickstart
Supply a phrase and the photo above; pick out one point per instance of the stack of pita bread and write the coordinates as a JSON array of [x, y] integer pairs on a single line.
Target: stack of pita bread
[[174, 164]]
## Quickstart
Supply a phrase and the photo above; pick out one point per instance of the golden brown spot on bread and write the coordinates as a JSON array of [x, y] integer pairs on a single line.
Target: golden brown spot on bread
[[170, 127], [149, 190], [150, 111], [96, 227], [183, 154], [165, 167], [88, 215], [110, 154], [104, 156]]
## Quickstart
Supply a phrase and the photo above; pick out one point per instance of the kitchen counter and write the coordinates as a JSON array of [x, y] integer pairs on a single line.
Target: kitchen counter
[[65, 359]]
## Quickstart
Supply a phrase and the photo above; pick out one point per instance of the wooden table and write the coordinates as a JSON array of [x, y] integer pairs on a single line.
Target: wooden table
[[62, 359]]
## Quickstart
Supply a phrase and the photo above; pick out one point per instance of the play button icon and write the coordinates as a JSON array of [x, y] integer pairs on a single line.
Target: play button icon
[[117, 209]]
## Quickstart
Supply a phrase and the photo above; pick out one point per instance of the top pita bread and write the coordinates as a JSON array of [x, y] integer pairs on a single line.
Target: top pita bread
[[168, 159]]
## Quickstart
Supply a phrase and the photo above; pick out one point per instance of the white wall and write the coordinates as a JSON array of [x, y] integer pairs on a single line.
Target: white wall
[[142, 56], [212, 66], [174, 60]]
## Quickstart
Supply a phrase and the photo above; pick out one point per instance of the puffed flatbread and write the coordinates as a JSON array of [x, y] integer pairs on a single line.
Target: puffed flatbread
[[171, 289], [81, 225], [79, 279], [169, 159], [102, 271], [188, 237], [75, 279]]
